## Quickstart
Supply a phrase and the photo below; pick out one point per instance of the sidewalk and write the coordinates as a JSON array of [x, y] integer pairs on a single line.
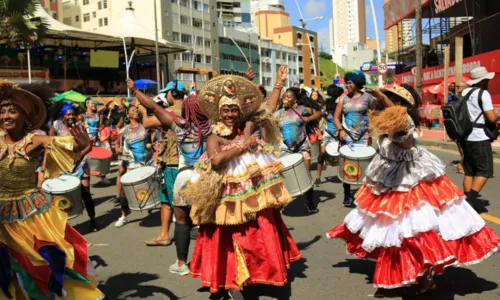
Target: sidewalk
[[435, 138]]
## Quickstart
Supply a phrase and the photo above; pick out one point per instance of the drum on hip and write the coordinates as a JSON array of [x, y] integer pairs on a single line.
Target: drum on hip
[[184, 175], [100, 161], [315, 150], [332, 153], [64, 192], [141, 186], [354, 160], [297, 179]]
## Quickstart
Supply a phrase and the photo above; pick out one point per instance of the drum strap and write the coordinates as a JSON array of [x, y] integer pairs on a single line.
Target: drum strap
[[352, 138]]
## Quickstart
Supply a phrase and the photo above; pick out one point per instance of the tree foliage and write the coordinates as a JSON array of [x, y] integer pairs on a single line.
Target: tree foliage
[[325, 55], [18, 23]]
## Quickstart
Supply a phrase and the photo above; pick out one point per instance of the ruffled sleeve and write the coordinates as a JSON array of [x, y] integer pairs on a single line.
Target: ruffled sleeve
[[61, 156]]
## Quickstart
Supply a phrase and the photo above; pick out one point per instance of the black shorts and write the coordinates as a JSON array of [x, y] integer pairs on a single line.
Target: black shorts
[[478, 159]]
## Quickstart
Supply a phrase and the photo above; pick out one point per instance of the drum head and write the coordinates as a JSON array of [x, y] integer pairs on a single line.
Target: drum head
[[358, 151], [99, 153], [137, 174], [333, 148], [291, 159], [61, 185]]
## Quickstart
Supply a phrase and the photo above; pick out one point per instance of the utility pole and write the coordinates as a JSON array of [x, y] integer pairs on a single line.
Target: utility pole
[[157, 54], [418, 48], [377, 40]]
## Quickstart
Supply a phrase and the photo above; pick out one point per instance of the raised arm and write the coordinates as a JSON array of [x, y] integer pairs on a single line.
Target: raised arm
[[221, 158], [162, 115], [380, 97], [272, 102], [148, 121]]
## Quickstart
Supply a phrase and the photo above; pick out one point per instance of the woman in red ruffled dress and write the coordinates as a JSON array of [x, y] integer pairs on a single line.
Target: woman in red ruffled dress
[[410, 217], [236, 194]]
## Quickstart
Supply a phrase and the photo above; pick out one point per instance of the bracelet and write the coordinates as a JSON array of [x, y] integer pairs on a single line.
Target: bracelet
[[240, 146], [278, 85]]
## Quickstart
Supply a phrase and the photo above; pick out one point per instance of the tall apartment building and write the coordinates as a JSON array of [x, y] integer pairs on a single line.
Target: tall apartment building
[[349, 22], [272, 56], [232, 60], [53, 8], [399, 36], [234, 13], [190, 23]]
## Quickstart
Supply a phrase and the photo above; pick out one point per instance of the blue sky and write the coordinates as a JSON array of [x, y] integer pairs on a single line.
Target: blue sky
[[314, 8]]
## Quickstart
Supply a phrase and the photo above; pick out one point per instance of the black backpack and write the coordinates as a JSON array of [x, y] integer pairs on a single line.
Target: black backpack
[[457, 118]]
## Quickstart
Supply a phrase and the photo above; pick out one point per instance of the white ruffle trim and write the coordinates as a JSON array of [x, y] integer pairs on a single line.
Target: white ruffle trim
[[241, 164], [452, 223]]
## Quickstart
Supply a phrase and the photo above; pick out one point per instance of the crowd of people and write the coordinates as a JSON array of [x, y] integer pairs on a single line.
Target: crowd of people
[[227, 142]]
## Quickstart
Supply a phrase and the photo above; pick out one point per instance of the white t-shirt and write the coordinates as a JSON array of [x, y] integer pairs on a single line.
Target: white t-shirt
[[478, 134]]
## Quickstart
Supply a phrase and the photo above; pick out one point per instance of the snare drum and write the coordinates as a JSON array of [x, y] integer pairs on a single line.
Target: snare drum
[[332, 153], [353, 163], [183, 177], [141, 187], [64, 193], [315, 150], [297, 179], [100, 161]]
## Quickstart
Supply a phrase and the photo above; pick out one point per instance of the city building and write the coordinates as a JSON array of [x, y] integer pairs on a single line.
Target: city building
[[232, 60], [371, 44], [272, 5], [272, 56], [357, 54], [400, 36], [192, 24], [349, 22], [53, 7], [267, 21], [234, 13]]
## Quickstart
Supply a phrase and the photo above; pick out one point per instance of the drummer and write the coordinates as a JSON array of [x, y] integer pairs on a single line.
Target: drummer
[[191, 132], [134, 143], [351, 118], [292, 121], [330, 134], [61, 127]]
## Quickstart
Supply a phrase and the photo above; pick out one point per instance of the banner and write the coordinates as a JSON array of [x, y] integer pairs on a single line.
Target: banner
[[104, 59], [396, 11]]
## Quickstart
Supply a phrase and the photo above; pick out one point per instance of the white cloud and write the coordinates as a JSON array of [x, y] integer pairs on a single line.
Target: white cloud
[[314, 8]]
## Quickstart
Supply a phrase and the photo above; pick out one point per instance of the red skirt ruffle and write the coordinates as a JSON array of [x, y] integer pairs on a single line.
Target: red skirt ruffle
[[257, 252], [401, 266], [438, 193]]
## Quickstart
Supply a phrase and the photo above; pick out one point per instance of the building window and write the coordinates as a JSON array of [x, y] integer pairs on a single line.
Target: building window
[[99, 5], [197, 5], [206, 8], [186, 38], [175, 36], [184, 3], [197, 23], [197, 58], [175, 18], [207, 25], [77, 18], [94, 14], [175, 1], [86, 2], [105, 4], [207, 42], [199, 41], [186, 56], [86, 17], [100, 22], [208, 59], [184, 20], [177, 56], [105, 21]]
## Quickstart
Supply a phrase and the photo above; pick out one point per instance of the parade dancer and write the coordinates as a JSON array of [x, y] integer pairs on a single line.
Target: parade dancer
[[351, 118], [410, 217], [41, 255], [237, 192], [133, 142], [292, 120], [330, 133], [191, 132], [62, 127]]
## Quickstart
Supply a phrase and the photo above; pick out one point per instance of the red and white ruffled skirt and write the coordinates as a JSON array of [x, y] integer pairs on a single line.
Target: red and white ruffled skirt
[[411, 233]]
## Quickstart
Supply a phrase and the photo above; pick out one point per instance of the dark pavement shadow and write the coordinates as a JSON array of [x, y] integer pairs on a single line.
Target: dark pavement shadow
[[148, 218], [133, 285], [304, 245], [103, 221], [324, 196], [101, 200], [100, 184], [454, 281], [98, 261], [332, 179]]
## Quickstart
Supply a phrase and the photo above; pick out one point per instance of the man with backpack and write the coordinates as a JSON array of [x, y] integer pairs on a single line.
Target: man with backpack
[[478, 157]]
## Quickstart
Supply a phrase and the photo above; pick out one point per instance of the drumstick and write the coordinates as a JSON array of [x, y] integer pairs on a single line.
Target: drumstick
[[44, 162]]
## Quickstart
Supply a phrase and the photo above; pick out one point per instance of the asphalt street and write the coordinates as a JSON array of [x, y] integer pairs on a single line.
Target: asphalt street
[[127, 269]]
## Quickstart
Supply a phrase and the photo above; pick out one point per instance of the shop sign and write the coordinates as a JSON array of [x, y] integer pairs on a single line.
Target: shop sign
[[442, 5]]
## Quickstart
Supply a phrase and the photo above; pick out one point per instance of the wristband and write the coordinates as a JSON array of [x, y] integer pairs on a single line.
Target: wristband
[[278, 85]]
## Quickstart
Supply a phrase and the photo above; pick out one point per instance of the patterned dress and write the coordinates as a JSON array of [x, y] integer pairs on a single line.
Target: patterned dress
[[355, 120], [41, 255]]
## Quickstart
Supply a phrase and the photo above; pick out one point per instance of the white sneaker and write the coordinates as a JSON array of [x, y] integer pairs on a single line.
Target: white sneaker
[[175, 269], [121, 222]]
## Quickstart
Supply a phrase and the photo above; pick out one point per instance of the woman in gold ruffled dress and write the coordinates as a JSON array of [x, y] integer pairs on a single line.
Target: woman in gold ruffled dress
[[237, 192], [41, 255]]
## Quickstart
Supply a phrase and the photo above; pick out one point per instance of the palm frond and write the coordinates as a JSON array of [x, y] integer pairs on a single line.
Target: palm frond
[[24, 7]]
